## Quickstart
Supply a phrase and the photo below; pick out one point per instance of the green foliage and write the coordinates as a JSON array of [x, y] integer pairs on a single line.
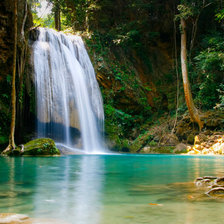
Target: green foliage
[[207, 96], [192, 8], [211, 59], [185, 11], [220, 15], [209, 70], [5, 96], [3, 137], [220, 104], [118, 33], [47, 20]]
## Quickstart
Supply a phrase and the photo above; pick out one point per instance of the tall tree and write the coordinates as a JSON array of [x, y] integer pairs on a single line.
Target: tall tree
[[56, 9], [193, 111], [57, 15], [13, 93], [188, 10]]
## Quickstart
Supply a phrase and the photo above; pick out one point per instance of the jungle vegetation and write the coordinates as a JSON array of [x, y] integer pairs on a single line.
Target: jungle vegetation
[[141, 50]]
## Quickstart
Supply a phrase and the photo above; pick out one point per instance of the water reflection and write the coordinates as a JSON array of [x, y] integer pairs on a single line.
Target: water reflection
[[73, 192], [88, 188]]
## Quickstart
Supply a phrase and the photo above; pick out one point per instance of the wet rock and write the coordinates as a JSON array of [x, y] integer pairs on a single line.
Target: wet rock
[[216, 185], [217, 192], [206, 181]]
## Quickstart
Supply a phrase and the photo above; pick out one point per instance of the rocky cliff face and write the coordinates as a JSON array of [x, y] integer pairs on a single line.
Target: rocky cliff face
[[140, 37]]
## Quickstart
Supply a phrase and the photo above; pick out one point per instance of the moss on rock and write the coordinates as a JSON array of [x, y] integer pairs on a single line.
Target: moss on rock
[[36, 147]]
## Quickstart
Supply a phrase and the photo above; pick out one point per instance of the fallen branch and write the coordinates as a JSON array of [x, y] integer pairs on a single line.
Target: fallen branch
[[34, 28]]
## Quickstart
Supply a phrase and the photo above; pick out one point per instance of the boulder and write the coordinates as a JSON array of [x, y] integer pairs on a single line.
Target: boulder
[[146, 149], [180, 148], [36, 147]]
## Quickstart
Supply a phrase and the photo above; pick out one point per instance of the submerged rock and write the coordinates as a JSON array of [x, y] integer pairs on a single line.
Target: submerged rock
[[36, 147], [206, 181], [12, 218], [220, 181], [217, 192], [214, 186], [210, 177]]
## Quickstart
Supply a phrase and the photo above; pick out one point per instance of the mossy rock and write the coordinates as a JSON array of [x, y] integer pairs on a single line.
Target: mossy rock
[[36, 147]]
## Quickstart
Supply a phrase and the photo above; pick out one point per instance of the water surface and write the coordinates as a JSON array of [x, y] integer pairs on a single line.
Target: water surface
[[108, 189]]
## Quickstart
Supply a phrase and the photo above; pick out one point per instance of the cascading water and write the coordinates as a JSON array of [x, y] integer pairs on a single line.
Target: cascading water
[[67, 93]]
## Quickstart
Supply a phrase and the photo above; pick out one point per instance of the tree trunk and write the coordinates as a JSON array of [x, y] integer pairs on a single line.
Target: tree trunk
[[193, 111], [13, 93], [57, 17], [21, 61]]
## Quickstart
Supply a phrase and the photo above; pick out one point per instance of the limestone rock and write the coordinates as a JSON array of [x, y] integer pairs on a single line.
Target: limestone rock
[[146, 149], [208, 144]]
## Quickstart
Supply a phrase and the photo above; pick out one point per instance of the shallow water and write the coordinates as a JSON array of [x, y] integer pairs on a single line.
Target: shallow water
[[111, 189]]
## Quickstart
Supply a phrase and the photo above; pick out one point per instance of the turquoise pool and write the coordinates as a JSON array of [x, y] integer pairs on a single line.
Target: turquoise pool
[[111, 189]]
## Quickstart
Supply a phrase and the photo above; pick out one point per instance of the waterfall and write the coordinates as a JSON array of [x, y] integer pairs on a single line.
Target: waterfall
[[69, 102]]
